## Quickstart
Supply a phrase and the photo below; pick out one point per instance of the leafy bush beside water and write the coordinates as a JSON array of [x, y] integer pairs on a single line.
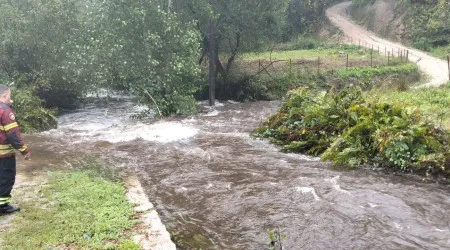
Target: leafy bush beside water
[[345, 128], [31, 113]]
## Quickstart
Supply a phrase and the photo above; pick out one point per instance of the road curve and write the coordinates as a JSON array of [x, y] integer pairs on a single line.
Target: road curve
[[436, 68]]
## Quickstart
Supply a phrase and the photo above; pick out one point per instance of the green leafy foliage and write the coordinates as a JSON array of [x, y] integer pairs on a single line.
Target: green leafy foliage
[[433, 102], [31, 113], [138, 47], [347, 129], [304, 16], [30, 47], [430, 24]]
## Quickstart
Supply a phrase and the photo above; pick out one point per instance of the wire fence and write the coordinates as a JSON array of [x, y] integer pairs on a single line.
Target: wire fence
[[365, 55]]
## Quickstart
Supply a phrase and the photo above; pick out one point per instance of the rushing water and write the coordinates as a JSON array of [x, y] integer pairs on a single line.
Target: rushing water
[[217, 188]]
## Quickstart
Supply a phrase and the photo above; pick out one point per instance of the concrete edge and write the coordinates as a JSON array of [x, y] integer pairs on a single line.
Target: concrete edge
[[153, 234]]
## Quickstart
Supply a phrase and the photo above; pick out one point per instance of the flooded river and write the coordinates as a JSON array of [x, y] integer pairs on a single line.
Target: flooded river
[[217, 188]]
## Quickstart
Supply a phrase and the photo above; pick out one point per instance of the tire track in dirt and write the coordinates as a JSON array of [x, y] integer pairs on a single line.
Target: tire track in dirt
[[436, 68]]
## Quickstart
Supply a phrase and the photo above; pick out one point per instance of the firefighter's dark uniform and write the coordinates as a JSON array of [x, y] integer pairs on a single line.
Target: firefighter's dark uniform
[[10, 140]]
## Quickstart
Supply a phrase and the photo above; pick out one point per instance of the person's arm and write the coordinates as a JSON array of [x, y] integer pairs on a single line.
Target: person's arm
[[13, 132]]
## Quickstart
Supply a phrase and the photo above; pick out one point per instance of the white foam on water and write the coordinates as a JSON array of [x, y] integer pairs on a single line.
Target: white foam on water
[[372, 205], [311, 190], [206, 104], [212, 113], [181, 190], [398, 226], [336, 186], [303, 157], [160, 132], [102, 93], [163, 132]]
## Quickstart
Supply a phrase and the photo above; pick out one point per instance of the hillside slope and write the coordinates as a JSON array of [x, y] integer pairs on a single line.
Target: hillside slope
[[434, 67]]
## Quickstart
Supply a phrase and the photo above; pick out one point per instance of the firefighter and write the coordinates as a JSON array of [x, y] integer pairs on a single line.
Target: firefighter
[[10, 140]]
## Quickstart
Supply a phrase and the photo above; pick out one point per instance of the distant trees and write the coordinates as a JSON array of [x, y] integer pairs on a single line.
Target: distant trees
[[430, 24], [304, 15], [427, 21]]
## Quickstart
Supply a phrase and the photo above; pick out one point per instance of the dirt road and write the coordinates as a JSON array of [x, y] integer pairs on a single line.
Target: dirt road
[[437, 69]]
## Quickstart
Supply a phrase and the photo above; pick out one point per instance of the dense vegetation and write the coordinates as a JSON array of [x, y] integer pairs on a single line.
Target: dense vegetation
[[427, 23], [349, 128], [60, 50]]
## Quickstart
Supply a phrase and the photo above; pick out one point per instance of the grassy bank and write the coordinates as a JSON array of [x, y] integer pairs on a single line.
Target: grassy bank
[[273, 85], [76, 210], [433, 102]]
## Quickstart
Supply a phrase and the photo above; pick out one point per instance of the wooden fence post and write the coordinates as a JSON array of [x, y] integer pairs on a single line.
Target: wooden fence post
[[290, 67], [318, 65], [346, 66], [371, 57], [448, 65], [389, 53]]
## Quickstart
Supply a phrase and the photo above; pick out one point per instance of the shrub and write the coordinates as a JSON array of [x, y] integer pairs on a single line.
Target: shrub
[[343, 127], [31, 113]]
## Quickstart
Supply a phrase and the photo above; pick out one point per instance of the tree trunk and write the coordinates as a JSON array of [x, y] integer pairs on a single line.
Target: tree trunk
[[212, 62]]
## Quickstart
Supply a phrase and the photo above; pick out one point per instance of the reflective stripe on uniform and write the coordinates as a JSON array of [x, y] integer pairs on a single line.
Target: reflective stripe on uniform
[[5, 200], [7, 146], [6, 152], [6, 149], [11, 126], [23, 148]]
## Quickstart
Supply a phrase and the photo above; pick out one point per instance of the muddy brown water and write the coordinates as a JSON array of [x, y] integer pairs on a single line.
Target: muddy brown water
[[217, 188]]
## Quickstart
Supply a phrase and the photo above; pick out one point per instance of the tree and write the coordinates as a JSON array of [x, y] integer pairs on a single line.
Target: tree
[[305, 15], [36, 38], [138, 46], [239, 26]]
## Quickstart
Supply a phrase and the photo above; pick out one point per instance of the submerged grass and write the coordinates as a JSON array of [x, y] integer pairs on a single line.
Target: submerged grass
[[77, 210]]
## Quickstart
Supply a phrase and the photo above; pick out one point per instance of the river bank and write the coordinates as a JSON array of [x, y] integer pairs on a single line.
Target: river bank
[[81, 207]]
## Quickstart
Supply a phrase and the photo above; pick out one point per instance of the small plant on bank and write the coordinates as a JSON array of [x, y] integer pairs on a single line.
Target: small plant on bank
[[276, 240]]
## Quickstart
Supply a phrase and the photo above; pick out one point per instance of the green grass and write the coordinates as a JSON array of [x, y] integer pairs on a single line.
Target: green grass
[[368, 72], [309, 54], [79, 209], [433, 102], [441, 52]]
